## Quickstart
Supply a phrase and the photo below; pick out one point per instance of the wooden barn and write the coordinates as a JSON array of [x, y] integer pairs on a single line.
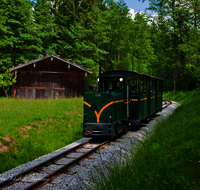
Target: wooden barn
[[49, 77]]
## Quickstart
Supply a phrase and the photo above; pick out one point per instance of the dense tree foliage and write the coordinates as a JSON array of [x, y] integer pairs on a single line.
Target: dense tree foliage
[[177, 26], [97, 32]]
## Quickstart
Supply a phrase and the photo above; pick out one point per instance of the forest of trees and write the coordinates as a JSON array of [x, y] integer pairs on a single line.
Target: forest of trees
[[93, 32]]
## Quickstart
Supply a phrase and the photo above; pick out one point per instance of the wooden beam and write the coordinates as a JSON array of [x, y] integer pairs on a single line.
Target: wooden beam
[[35, 79], [51, 72], [29, 88], [57, 89]]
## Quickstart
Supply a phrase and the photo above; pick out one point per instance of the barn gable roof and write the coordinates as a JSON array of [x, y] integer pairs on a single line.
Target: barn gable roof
[[53, 56]]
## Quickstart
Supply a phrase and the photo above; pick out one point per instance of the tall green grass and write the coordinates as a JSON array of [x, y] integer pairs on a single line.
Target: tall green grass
[[169, 158], [37, 127]]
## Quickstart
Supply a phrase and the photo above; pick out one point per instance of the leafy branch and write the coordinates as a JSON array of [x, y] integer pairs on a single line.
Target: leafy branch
[[7, 79]]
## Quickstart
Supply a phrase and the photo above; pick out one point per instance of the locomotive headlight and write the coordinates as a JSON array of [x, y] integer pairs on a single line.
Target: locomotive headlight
[[121, 79], [98, 79]]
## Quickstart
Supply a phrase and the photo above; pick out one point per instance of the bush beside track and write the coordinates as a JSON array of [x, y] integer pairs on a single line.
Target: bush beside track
[[169, 158], [32, 128]]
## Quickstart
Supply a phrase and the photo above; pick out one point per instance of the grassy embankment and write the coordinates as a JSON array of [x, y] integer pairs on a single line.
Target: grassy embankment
[[32, 128], [169, 158]]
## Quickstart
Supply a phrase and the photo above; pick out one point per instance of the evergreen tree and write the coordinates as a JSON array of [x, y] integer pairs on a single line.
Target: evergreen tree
[[141, 49], [81, 32], [46, 27], [117, 16], [177, 14], [19, 33], [5, 60]]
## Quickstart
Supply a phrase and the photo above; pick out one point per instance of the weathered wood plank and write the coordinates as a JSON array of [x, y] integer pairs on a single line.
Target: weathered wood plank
[[62, 93], [30, 88], [40, 93], [56, 94], [40, 79], [50, 72], [59, 88]]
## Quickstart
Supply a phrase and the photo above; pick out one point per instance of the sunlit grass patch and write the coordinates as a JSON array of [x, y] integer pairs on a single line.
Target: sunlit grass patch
[[37, 127]]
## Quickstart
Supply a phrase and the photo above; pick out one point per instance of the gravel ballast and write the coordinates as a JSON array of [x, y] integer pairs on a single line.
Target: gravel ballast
[[77, 177]]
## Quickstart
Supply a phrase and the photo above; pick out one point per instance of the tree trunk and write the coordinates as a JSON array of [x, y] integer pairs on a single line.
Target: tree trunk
[[108, 61], [174, 79], [140, 53], [118, 57], [175, 48], [97, 47], [5, 92], [195, 14], [133, 51], [175, 67], [133, 57]]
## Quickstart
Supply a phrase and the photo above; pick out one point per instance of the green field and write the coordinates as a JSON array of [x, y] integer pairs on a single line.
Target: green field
[[169, 158], [32, 128]]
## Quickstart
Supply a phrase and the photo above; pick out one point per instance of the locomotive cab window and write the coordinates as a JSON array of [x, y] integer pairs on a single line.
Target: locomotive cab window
[[112, 85]]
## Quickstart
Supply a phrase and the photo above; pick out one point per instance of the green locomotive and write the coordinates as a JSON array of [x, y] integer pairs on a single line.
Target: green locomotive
[[124, 99]]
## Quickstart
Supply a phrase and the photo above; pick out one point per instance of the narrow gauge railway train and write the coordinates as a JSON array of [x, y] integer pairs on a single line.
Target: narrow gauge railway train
[[124, 100]]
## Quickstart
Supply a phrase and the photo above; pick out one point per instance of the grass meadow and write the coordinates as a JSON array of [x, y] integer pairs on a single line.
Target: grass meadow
[[32, 128], [169, 158]]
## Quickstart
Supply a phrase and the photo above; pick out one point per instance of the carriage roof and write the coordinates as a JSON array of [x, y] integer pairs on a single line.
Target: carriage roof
[[125, 73]]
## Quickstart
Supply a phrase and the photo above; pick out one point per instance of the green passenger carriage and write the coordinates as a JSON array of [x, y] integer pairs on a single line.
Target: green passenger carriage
[[124, 99]]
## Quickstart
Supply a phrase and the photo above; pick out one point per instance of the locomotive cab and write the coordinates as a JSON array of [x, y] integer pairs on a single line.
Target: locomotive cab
[[106, 111]]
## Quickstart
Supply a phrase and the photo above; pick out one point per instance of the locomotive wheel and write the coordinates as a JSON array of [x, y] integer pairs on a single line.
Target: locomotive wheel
[[134, 127]]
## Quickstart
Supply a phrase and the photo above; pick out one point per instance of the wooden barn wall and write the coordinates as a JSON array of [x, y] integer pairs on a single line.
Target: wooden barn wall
[[49, 79]]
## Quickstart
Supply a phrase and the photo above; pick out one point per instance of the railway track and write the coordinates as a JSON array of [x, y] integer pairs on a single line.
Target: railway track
[[45, 176], [84, 150], [166, 103]]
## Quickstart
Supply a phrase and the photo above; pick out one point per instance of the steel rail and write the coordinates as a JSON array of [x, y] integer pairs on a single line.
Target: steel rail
[[166, 103], [58, 172], [19, 176]]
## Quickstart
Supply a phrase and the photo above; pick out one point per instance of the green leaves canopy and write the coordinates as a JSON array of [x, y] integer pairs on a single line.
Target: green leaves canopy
[[97, 32]]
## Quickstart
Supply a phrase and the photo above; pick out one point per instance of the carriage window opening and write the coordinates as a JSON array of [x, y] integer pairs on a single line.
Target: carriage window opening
[[156, 85], [134, 84], [144, 85], [141, 87], [146, 82], [137, 90], [147, 85], [159, 86], [153, 86]]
